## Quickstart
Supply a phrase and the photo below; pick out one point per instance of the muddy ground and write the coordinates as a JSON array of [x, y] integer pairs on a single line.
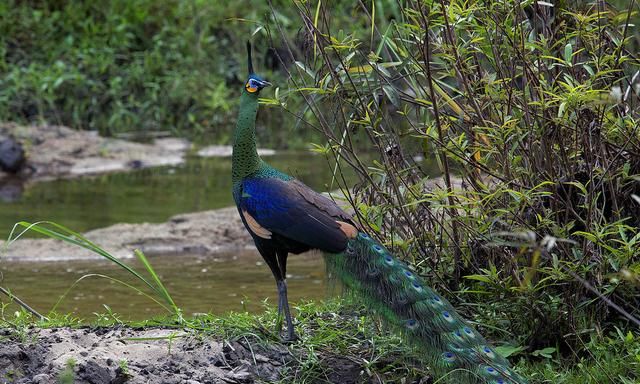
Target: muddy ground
[[55, 152], [137, 356], [200, 233]]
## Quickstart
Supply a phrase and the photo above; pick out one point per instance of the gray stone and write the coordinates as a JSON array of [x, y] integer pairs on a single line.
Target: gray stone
[[12, 156]]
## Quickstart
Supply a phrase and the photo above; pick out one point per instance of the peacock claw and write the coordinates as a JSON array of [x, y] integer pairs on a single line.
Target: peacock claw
[[290, 339]]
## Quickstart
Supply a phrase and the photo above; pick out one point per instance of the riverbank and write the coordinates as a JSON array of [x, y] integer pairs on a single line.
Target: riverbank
[[57, 152], [338, 345], [121, 354], [199, 233]]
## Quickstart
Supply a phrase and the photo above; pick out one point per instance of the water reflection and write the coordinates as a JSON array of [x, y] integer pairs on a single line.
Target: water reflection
[[146, 195], [229, 282], [11, 188]]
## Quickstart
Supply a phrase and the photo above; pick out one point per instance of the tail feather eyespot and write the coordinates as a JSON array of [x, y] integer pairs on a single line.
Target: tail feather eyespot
[[412, 324], [447, 316], [490, 370], [449, 357], [469, 332], [487, 351]]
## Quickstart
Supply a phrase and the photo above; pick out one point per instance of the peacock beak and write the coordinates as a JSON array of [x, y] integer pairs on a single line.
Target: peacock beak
[[264, 84]]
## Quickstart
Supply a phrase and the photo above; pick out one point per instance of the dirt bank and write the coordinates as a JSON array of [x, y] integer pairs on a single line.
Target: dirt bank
[[200, 233], [55, 152], [119, 355], [60, 152], [124, 354]]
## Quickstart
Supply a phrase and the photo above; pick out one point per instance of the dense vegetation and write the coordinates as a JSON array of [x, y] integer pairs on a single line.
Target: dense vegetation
[[532, 106], [134, 68], [122, 66]]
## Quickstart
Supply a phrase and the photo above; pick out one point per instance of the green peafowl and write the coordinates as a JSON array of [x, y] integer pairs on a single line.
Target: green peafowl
[[285, 216]]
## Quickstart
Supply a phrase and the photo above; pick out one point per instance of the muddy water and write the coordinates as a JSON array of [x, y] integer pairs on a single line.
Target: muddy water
[[228, 282], [149, 195], [217, 285]]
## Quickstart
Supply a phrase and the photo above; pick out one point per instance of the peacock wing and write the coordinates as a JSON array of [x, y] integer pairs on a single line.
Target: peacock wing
[[320, 201], [278, 206]]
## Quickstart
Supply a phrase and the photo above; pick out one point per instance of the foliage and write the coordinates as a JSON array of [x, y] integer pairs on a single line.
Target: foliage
[[67, 376], [124, 66], [530, 109], [139, 68]]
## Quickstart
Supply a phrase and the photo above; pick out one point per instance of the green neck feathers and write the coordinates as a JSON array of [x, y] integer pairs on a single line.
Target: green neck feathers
[[245, 159]]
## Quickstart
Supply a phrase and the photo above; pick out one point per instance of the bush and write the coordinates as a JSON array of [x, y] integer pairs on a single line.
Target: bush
[[531, 113]]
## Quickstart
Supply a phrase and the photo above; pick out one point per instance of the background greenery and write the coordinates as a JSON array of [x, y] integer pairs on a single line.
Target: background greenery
[[134, 68]]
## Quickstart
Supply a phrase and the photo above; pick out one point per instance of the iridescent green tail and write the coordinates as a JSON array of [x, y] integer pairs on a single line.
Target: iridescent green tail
[[403, 299]]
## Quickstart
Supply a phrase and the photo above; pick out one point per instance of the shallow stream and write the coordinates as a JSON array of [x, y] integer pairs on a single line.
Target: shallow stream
[[198, 284], [238, 281]]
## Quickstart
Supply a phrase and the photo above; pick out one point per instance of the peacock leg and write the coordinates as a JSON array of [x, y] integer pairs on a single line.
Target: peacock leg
[[282, 292], [269, 256]]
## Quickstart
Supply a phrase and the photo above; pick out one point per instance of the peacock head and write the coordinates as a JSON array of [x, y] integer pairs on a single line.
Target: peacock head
[[254, 84]]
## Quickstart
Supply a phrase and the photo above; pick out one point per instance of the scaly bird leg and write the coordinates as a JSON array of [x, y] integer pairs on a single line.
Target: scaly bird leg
[[282, 293], [280, 306]]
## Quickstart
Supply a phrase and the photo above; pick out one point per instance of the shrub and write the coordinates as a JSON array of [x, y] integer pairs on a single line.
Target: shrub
[[530, 110]]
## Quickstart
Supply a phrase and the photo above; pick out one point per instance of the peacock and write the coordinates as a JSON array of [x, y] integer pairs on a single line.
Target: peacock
[[285, 216]]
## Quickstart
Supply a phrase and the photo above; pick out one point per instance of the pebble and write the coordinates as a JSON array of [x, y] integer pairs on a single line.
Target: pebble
[[42, 378]]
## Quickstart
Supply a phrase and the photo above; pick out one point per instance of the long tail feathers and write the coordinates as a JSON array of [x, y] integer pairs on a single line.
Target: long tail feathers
[[404, 300]]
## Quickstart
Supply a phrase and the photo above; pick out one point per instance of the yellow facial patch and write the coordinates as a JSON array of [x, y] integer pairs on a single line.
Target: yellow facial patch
[[249, 88]]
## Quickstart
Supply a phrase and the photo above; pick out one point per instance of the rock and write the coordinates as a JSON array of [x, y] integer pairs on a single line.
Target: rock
[[43, 378], [201, 233], [60, 152], [12, 156]]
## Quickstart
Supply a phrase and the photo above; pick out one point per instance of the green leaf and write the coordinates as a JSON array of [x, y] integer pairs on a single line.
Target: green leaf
[[545, 352], [306, 69], [568, 53], [508, 350], [392, 94], [482, 278], [629, 337]]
